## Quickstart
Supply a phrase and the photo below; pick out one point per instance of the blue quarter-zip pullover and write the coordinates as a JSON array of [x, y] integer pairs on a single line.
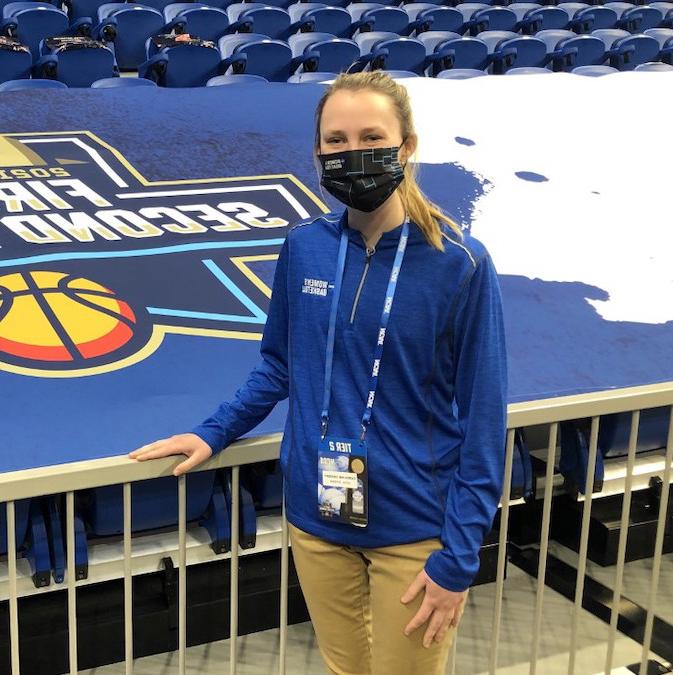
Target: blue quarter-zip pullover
[[437, 436]]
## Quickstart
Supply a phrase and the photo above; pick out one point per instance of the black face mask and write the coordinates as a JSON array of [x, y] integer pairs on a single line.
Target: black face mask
[[363, 179]]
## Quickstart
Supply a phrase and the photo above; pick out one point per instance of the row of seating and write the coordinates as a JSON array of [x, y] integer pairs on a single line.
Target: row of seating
[[178, 61]]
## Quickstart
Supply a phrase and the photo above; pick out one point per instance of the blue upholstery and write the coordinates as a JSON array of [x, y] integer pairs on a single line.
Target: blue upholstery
[[15, 60], [324, 52], [76, 66], [197, 19], [380, 17], [424, 16], [180, 65], [325, 19], [33, 21], [258, 55], [388, 51]]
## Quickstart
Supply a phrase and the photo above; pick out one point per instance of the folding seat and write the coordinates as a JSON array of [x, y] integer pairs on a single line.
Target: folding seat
[[655, 66], [567, 50], [625, 51], [491, 38], [256, 17], [77, 61], [479, 17], [323, 52], [666, 9], [594, 71], [220, 80], [311, 78], [258, 55], [389, 51], [122, 83], [532, 17], [448, 51], [31, 22], [325, 18], [173, 63], [460, 74], [16, 85], [127, 26], [381, 18], [636, 19], [402, 74], [15, 59], [198, 20], [584, 17], [424, 16], [521, 51], [664, 36]]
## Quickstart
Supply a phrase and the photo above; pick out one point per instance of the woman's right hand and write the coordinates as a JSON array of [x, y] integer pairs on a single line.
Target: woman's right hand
[[196, 449]]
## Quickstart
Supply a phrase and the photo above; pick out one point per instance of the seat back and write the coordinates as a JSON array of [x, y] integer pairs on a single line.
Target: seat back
[[21, 511], [266, 57], [587, 50], [36, 21], [493, 18], [207, 23], [386, 18], [15, 59], [436, 17], [334, 20], [81, 61], [273, 22], [122, 83], [190, 65]]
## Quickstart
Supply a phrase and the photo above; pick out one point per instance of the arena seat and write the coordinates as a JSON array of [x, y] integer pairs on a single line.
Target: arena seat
[[402, 74], [491, 38], [180, 64], [127, 26], [635, 19], [274, 22], [16, 60], [480, 17], [566, 50], [453, 52], [581, 17], [460, 74], [522, 50], [17, 85], [381, 18], [30, 22], [424, 16], [236, 79], [388, 51], [76, 61], [533, 17], [664, 36], [667, 11], [325, 18], [594, 71], [625, 51], [323, 52], [257, 55], [122, 83], [197, 19]]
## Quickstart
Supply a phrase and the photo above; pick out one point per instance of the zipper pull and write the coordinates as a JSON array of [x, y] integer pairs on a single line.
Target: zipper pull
[[370, 251]]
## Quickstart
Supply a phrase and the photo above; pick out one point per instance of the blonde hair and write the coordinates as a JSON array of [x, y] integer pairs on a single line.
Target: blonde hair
[[418, 207]]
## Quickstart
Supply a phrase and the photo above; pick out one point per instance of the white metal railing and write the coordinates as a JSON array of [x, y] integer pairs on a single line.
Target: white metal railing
[[70, 478]]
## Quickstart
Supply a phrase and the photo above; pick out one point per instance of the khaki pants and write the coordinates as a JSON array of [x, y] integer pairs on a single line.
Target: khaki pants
[[353, 597]]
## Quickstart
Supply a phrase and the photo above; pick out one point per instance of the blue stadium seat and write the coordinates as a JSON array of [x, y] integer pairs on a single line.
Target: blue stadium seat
[[448, 51], [325, 18], [308, 78], [401, 74], [582, 16], [528, 70], [667, 12], [491, 38], [388, 51], [186, 64], [566, 50], [532, 17], [198, 19], [31, 22], [520, 51], [424, 16], [323, 52], [256, 17], [127, 26], [258, 55], [77, 61], [636, 19], [664, 36], [654, 66], [460, 74], [15, 59], [625, 51], [220, 80], [122, 83], [380, 18], [16, 85], [480, 17], [594, 71]]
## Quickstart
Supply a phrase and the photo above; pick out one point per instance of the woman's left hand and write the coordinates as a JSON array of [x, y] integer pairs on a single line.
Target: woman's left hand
[[440, 608]]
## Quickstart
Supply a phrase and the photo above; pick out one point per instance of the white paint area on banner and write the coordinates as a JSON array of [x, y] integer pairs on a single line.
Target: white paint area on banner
[[595, 206]]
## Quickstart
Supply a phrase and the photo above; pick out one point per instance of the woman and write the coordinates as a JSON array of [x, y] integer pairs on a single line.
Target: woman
[[392, 458]]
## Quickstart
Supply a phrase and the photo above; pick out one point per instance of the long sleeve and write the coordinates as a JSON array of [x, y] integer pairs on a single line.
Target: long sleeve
[[480, 391], [267, 383]]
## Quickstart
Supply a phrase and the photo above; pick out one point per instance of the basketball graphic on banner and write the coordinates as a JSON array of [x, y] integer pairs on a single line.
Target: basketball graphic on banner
[[54, 317]]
